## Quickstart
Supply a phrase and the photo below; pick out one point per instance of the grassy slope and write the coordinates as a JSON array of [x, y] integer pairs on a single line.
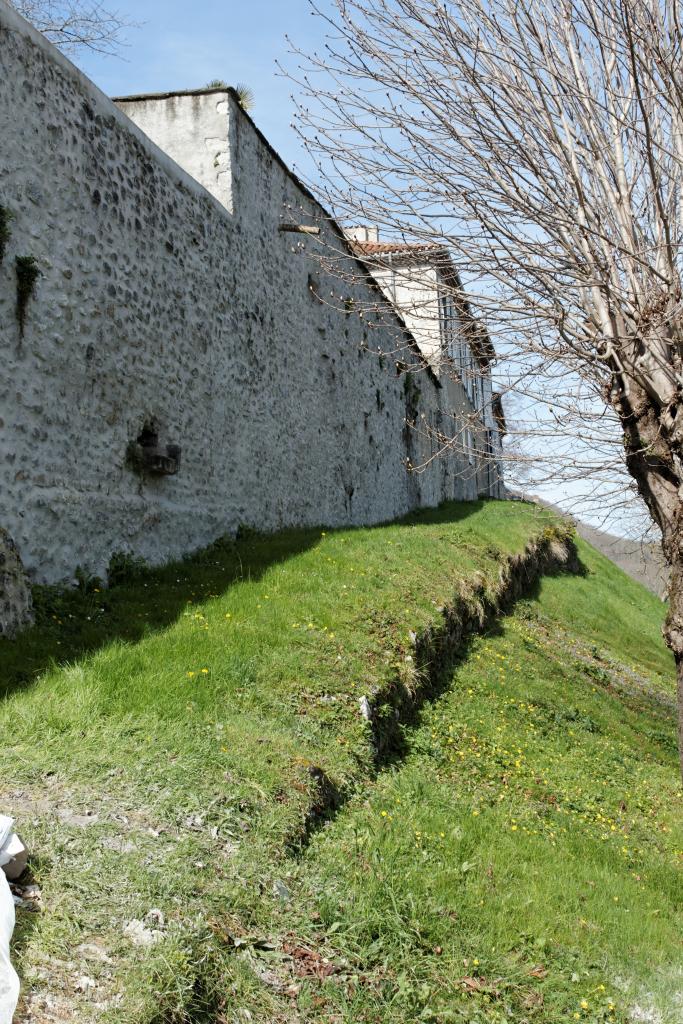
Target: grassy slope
[[524, 862], [162, 740]]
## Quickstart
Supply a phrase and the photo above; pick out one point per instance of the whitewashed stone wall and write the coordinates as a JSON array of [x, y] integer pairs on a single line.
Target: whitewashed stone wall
[[157, 303], [193, 129]]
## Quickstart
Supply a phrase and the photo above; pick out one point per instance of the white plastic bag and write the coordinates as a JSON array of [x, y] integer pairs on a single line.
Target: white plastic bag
[[9, 982]]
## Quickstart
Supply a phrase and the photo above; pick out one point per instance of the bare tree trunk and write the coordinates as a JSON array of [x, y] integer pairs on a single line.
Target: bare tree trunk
[[652, 448], [673, 634]]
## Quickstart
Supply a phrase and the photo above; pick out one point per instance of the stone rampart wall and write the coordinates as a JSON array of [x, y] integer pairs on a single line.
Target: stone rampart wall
[[158, 310]]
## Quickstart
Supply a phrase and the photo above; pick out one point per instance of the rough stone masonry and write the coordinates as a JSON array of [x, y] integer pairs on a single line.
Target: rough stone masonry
[[171, 365]]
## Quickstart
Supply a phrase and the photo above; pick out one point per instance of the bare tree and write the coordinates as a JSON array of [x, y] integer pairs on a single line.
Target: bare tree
[[542, 142], [74, 25]]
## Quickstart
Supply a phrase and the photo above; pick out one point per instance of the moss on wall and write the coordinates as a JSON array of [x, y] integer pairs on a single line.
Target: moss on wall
[[5, 217], [27, 275]]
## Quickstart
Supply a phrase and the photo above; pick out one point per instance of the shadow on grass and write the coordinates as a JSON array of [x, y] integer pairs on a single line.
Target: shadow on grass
[[441, 671], [74, 622]]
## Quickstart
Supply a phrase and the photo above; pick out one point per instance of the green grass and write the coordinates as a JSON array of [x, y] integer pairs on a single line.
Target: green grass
[[607, 607], [164, 742], [523, 863], [163, 745]]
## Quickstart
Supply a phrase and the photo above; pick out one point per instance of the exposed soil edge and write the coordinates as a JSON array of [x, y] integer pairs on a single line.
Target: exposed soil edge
[[472, 611], [425, 672]]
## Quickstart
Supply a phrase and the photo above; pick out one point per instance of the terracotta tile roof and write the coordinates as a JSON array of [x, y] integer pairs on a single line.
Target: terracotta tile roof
[[385, 248]]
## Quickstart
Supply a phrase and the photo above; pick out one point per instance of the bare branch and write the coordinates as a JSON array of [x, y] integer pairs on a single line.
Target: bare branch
[[73, 25]]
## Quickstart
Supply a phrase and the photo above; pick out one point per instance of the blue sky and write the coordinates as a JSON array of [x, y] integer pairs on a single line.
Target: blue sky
[[183, 46]]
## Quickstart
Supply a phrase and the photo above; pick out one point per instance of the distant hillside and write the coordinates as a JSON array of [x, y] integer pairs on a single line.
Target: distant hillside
[[642, 561]]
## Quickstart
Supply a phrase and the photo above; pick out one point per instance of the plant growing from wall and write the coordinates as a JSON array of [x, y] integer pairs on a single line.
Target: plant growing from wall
[[28, 273], [5, 217], [412, 394], [245, 96]]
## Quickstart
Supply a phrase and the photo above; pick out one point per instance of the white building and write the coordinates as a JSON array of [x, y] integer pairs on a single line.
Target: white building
[[421, 281]]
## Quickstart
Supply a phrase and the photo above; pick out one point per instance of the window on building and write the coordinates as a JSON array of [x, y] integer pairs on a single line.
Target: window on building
[[459, 351]]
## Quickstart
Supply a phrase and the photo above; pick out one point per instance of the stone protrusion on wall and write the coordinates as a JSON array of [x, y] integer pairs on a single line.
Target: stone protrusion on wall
[[16, 605]]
